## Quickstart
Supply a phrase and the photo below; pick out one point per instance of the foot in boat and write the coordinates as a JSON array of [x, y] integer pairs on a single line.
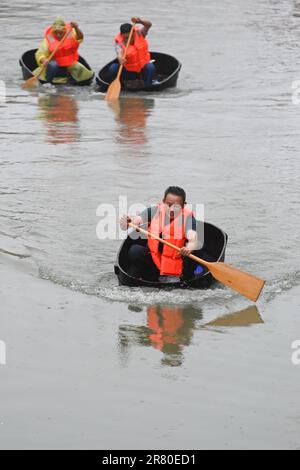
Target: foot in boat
[[49, 87], [134, 84], [169, 279]]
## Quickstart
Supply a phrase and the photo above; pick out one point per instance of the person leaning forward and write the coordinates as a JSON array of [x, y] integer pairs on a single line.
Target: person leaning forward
[[173, 221], [137, 61], [66, 58]]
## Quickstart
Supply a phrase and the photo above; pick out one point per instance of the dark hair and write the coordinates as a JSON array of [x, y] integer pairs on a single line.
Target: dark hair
[[177, 191], [125, 28]]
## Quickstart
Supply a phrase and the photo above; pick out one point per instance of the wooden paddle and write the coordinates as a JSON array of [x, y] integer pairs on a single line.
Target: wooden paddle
[[114, 88], [247, 285], [32, 81]]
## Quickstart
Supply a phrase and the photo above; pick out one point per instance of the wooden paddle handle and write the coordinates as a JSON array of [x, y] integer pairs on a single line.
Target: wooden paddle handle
[[125, 52], [54, 52], [161, 240]]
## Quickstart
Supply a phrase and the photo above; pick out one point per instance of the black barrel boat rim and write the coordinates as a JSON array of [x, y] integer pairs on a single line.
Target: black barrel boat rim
[[203, 280], [28, 65], [161, 61]]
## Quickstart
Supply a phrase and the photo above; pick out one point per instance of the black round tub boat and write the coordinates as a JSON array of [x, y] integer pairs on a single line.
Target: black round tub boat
[[167, 71], [213, 249], [28, 65]]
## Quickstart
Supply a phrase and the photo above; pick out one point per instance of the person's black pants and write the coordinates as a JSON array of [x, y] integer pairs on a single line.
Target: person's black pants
[[142, 264]]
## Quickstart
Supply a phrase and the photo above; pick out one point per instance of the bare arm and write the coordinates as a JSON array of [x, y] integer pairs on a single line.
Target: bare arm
[[192, 243], [125, 219], [146, 23], [78, 31], [119, 52]]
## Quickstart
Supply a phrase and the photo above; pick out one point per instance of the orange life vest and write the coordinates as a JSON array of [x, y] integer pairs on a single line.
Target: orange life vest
[[169, 262], [67, 53], [137, 55]]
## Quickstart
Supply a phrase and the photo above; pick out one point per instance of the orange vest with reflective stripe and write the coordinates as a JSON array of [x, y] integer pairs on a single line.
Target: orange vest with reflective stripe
[[67, 54], [137, 55], [169, 262]]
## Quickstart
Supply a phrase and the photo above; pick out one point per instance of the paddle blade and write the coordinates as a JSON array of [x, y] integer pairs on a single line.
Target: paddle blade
[[247, 285], [113, 91], [30, 83]]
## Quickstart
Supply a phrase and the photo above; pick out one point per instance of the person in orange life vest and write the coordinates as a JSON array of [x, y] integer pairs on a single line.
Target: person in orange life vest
[[137, 60], [66, 58], [172, 221]]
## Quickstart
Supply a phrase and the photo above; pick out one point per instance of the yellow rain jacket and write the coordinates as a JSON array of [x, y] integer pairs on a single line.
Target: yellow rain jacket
[[77, 70]]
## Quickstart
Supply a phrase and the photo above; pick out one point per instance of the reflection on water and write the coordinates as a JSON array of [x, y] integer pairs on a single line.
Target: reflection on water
[[131, 115], [168, 329], [246, 317], [59, 112]]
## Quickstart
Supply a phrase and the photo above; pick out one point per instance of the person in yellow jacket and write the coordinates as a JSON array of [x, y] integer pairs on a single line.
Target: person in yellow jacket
[[66, 58]]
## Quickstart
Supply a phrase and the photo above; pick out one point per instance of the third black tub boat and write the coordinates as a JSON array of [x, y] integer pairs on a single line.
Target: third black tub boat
[[167, 71], [28, 65]]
